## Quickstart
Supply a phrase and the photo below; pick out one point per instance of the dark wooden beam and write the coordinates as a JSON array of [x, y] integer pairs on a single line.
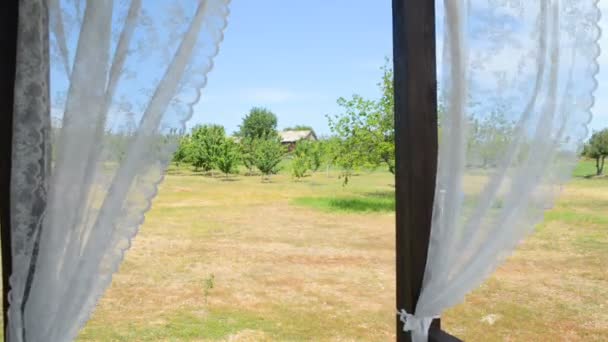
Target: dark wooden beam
[[416, 146], [9, 10]]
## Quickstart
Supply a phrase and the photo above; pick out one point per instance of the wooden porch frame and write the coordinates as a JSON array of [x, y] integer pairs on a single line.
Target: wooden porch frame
[[416, 148]]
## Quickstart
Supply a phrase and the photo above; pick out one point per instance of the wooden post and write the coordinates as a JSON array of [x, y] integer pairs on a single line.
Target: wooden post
[[416, 145], [8, 45]]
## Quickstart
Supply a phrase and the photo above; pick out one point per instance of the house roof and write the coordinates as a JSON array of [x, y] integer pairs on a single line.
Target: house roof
[[293, 136]]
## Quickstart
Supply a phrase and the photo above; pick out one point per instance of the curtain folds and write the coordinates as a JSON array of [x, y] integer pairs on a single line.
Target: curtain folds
[[103, 90], [516, 90]]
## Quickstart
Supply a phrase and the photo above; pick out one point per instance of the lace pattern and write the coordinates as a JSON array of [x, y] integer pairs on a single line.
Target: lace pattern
[[518, 83], [124, 76]]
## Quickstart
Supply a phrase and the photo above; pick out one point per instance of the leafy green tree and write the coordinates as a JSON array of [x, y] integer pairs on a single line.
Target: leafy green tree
[[489, 138], [366, 129], [387, 117], [307, 156], [204, 145], [310, 152], [597, 148], [119, 142], [315, 156], [268, 154], [299, 166], [181, 153], [330, 151], [247, 146], [228, 157], [260, 123]]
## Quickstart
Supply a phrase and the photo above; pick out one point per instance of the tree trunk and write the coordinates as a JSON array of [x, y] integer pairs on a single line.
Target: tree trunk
[[601, 171], [598, 169]]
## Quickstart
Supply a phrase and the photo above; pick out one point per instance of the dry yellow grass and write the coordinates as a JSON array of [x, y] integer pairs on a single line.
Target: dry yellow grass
[[282, 272]]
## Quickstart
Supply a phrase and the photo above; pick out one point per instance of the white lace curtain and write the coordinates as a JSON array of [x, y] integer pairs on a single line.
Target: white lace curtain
[[103, 89], [516, 90]]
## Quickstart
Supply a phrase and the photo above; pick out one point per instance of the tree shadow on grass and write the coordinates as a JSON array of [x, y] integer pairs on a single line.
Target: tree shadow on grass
[[383, 194], [368, 204], [230, 179]]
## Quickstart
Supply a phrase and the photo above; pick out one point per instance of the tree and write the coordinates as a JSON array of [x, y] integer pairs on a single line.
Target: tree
[[597, 148], [387, 116], [260, 123], [489, 138], [299, 166], [228, 157], [181, 153], [204, 145], [366, 129], [315, 156], [268, 154], [306, 157], [330, 151], [310, 152], [248, 154]]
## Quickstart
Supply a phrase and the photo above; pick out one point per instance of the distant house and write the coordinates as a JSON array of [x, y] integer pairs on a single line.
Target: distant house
[[291, 138]]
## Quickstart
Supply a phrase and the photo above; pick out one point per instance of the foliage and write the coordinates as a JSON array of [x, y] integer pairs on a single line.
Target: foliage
[[597, 149], [329, 149], [248, 156], [315, 155], [299, 166], [204, 145], [387, 117], [181, 153], [307, 157], [489, 138], [365, 130], [119, 143], [228, 157], [260, 123], [267, 153]]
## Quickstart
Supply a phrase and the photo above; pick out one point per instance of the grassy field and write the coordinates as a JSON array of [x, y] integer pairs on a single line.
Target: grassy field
[[241, 260]]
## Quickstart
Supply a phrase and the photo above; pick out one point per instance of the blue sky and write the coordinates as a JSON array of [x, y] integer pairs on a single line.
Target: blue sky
[[296, 58]]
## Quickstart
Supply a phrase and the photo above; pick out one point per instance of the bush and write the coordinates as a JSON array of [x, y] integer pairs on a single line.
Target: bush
[[247, 147], [228, 157], [267, 153], [307, 157], [299, 167], [203, 147]]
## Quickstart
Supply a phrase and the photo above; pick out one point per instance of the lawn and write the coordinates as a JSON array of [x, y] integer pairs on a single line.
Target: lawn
[[240, 260]]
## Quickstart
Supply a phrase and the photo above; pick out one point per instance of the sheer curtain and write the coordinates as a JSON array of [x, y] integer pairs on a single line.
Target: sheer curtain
[[103, 89], [516, 89]]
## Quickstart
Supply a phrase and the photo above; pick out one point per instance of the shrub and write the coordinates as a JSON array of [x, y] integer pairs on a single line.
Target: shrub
[[228, 157], [203, 148], [299, 167], [268, 153]]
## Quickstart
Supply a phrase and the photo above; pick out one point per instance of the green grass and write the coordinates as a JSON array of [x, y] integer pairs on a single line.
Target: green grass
[[368, 203], [585, 169]]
